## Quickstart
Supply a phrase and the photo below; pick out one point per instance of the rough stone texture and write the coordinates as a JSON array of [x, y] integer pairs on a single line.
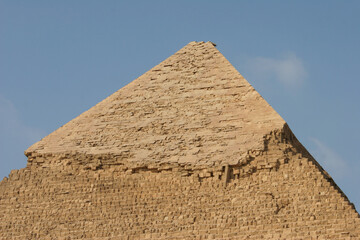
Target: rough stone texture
[[194, 107], [187, 151]]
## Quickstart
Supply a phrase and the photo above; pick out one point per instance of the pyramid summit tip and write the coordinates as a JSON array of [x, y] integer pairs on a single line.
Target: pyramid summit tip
[[202, 42], [214, 44]]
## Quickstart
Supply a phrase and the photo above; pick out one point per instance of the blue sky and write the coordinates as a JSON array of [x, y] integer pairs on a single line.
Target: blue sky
[[59, 58]]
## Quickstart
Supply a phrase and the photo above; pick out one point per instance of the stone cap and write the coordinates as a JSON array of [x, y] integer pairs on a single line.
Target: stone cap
[[194, 107]]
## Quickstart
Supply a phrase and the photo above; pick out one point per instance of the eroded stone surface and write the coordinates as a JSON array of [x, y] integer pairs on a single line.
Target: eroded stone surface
[[194, 107], [187, 151]]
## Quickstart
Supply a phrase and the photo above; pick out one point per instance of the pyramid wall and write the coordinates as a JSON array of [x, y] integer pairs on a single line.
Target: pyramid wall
[[189, 150], [195, 101], [278, 193]]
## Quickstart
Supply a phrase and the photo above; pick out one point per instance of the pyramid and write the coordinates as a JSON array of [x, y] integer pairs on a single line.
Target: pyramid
[[189, 150]]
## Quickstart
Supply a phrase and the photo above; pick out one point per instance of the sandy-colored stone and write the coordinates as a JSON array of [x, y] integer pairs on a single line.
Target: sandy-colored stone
[[189, 150], [194, 107]]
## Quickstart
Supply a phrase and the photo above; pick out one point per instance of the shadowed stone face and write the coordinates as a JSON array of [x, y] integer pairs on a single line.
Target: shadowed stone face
[[189, 150]]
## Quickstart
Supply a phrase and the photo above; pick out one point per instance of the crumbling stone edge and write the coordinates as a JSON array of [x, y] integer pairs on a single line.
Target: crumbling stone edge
[[79, 163]]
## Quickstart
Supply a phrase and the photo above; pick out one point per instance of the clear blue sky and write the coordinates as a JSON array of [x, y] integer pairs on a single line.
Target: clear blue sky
[[59, 58]]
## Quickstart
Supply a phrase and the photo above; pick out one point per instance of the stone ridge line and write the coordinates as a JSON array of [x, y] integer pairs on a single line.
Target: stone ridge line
[[194, 107]]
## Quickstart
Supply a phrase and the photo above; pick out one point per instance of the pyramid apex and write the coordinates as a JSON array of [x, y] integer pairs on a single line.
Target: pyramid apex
[[214, 44], [194, 94], [201, 42]]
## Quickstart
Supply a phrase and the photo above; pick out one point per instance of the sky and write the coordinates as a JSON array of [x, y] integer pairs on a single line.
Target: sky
[[59, 58]]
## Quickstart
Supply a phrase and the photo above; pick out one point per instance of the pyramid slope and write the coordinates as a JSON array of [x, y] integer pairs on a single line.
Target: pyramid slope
[[195, 101], [128, 167]]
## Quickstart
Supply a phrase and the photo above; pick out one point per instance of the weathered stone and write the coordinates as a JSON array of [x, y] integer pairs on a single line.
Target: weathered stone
[[189, 150]]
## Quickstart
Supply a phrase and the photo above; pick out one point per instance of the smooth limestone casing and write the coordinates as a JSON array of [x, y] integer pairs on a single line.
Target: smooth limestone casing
[[212, 164], [193, 102]]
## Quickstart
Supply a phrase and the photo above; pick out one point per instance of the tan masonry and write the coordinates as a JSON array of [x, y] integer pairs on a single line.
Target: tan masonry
[[189, 150]]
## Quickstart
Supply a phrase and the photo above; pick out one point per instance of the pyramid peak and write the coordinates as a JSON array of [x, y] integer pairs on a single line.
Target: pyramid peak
[[195, 99], [201, 42]]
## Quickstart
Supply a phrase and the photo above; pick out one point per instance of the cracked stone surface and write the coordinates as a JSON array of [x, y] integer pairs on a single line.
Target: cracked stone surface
[[194, 107], [189, 150]]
